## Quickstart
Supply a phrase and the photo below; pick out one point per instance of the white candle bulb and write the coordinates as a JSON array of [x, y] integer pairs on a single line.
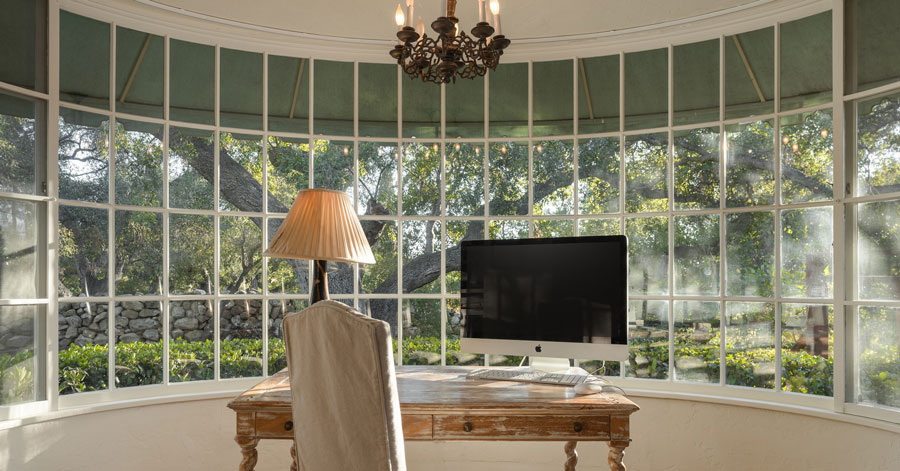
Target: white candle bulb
[[420, 27], [495, 7], [411, 9], [398, 16], [481, 11]]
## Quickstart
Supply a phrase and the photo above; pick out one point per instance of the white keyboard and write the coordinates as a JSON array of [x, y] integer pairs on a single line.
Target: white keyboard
[[528, 376]]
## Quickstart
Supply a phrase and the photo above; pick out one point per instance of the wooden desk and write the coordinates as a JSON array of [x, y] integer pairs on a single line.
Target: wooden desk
[[440, 403]]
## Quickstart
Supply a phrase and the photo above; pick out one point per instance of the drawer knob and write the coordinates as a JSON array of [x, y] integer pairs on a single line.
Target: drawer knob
[[578, 427], [289, 425], [467, 426]]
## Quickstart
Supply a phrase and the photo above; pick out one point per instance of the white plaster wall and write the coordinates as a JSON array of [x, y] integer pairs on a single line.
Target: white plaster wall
[[668, 434]]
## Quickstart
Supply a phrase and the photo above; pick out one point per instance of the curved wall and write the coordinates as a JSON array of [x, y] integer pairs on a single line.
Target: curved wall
[[667, 433]]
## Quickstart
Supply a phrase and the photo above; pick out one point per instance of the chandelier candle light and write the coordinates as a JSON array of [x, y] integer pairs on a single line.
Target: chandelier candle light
[[453, 53]]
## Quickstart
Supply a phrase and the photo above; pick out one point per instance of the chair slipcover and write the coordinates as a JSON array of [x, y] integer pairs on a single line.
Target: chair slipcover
[[343, 390]]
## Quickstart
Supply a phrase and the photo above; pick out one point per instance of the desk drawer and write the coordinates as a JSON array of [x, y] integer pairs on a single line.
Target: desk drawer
[[535, 427], [274, 425], [416, 427]]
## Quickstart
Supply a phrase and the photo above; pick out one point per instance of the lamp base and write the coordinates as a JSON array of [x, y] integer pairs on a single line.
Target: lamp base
[[320, 282]]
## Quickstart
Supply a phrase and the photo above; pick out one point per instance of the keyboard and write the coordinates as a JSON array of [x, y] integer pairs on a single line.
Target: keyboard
[[528, 376]]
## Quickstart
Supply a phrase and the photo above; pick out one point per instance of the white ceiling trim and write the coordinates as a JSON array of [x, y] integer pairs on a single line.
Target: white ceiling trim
[[152, 17]]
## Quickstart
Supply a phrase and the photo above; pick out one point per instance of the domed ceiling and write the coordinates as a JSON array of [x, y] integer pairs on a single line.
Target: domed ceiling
[[521, 19]]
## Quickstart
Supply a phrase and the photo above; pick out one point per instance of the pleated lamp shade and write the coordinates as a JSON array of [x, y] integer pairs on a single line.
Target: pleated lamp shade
[[322, 225]]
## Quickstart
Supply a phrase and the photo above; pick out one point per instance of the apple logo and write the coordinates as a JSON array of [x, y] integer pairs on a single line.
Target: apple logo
[[538, 348]]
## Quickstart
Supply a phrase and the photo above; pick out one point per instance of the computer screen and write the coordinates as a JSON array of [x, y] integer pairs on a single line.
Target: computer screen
[[562, 297]]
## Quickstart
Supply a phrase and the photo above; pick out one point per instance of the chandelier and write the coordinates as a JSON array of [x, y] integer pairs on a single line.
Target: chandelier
[[453, 53]]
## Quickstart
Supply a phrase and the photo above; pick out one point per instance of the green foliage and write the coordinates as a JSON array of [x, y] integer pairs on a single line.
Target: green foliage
[[16, 377]]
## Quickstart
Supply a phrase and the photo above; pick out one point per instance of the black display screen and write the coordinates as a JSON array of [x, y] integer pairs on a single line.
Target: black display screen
[[570, 289]]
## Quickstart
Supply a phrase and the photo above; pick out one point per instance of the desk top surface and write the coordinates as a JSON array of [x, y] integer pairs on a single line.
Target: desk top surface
[[430, 389]]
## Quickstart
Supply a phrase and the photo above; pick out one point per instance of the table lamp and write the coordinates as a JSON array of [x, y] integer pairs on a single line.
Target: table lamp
[[321, 226]]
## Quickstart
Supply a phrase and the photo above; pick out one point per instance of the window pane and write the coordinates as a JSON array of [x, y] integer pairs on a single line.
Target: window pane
[[646, 89], [454, 329], [286, 275], [18, 249], [508, 229], [544, 228], [750, 73], [648, 340], [138, 343], [807, 157], [750, 344], [138, 253], [421, 239], [598, 175], [377, 100], [83, 251], [807, 349], [19, 375], [697, 255], [139, 73], [697, 168], [382, 276], [421, 179], [333, 98], [807, 267], [83, 347], [288, 171], [83, 156], [384, 310], [879, 360], [333, 166], [458, 231], [465, 108], [508, 172], [806, 61], [192, 82], [508, 107], [240, 337], [594, 227], [421, 109], [191, 155], [18, 149], [139, 157], [750, 180], [191, 244], [553, 175], [377, 180], [422, 332], [83, 60], [598, 94], [750, 254], [552, 98], [241, 87], [697, 338], [240, 256], [696, 82], [648, 255], [278, 310], [288, 94], [23, 33], [877, 147], [877, 32], [646, 158], [240, 160], [465, 180], [879, 254], [192, 355]]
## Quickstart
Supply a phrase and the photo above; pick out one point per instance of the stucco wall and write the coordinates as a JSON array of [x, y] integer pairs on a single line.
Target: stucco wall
[[668, 435]]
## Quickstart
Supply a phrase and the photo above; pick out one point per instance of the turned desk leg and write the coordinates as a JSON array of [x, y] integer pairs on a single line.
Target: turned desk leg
[[616, 454], [294, 465], [248, 450], [571, 455]]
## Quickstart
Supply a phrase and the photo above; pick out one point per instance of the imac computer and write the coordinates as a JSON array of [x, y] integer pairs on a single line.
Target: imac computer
[[560, 298]]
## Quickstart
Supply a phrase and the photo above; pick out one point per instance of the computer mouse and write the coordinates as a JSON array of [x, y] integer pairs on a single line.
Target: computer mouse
[[589, 387]]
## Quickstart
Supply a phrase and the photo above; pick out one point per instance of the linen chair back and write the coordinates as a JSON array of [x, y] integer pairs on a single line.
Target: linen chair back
[[343, 390]]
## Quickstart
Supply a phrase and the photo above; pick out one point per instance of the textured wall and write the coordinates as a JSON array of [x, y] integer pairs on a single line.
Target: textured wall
[[668, 435]]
